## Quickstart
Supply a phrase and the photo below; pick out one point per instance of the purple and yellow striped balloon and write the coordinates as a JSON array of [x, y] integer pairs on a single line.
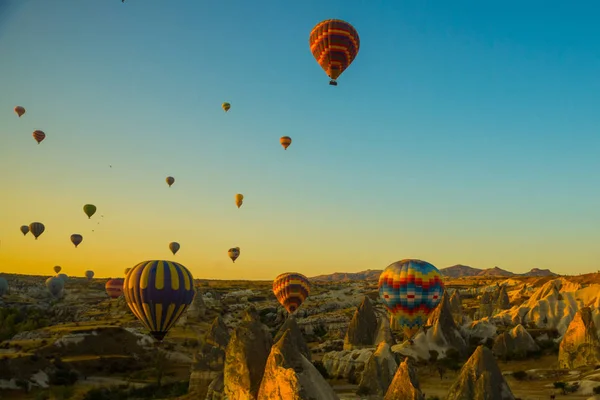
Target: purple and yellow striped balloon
[[291, 289], [158, 292]]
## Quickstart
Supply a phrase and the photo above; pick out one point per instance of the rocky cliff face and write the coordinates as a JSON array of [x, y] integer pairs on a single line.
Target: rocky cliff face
[[480, 379], [580, 345], [384, 333], [217, 335], [362, 330], [379, 372], [405, 384], [289, 375], [456, 308], [246, 357]]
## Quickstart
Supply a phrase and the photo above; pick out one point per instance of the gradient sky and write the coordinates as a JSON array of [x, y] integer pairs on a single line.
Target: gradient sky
[[464, 132]]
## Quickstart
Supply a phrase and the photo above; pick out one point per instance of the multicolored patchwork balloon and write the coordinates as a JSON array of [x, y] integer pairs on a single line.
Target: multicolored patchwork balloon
[[291, 289], [411, 290], [158, 292]]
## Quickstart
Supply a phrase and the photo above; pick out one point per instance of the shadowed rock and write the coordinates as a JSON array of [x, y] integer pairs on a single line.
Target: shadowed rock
[[290, 376], [291, 325], [516, 343], [384, 333], [215, 389], [405, 384], [503, 301], [245, 357], [363, 327], [456, 308], [217, 335], [480, 379], [379, 371], [580, 345], [444, 332]]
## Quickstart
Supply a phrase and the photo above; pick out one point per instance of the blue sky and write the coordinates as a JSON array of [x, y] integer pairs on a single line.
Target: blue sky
[[463, 132]]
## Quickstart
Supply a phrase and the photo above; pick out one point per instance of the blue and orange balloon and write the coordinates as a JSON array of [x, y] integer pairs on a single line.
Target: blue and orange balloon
[[291, 289], [411, 290], [158, 292]]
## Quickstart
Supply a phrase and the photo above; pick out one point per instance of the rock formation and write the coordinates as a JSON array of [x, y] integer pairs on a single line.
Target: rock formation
[[347, 364], [384, 333], [217, 335], [486, 306], [580, 345], [405, 384], [480, 379], [514, 344], [216, 388], [289, 375], [246, 357], [444, 332], [503, 301], [296, 336], [363, 327], [456, 308], [379, 371], [197, 309], [200, 376]]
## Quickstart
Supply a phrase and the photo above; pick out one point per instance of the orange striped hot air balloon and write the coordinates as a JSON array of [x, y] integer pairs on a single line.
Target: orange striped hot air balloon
[[334, 44], [114, 288], [291, 289], [285, 141], [39, 136]]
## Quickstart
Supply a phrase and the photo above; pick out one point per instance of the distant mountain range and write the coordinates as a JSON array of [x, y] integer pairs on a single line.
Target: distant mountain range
[[455, 271]]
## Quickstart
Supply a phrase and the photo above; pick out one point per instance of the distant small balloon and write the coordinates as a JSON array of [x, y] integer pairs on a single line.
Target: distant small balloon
[[285, 141], [76, 239], [3, 286], [36, 229], [234, 253], [39, 136], [114, 288], [57, 269], [20, 111], [55, 286], [226, 106], [89, 274], [89, 210], [239, 200], [24, 230], [174, 247], [170, 180]]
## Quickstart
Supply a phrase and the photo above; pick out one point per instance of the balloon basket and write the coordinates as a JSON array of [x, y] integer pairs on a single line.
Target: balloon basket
[[333, 83]]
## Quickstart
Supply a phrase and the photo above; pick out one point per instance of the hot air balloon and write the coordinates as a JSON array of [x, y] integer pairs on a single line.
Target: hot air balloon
[[291, 289], [63, 277], [76, 239], [170, 180], [20, 111], [55, 286], [3, 286], [226, 106], [24, 230], [89, 210], [174, 247], [39, 136], [36, 229], [234, 253], [57, 268], [158, 292], [285, 141], [89, 274], [239, 200], [410, 290], [114, 288], [334, 44]]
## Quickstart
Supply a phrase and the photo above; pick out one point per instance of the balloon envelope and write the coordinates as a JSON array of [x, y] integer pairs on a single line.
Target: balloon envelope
[[334, 44], [76, 239], [234, 253], [170, 180], [158, 292], [89, 210], [20, 110], [411, 290], [63, 277], [24, 229], [39, 136], [114, 288], [226, 106], [285, 141], [36, 229], [291, 289], [89, 274], [174, 247], [57, 268], [55, 285]]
